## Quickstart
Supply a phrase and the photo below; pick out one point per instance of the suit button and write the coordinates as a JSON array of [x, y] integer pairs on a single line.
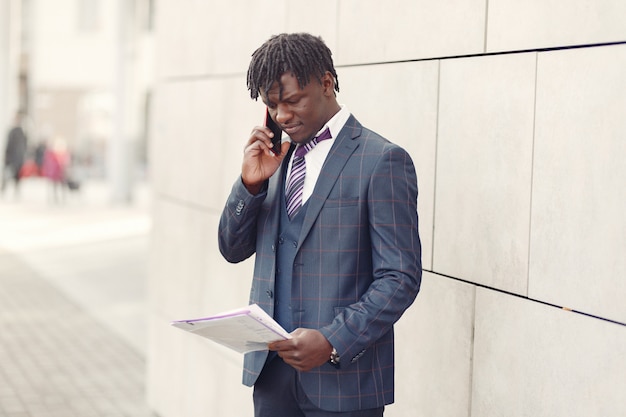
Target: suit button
[[239, 207], [295, 244], [269, 293]]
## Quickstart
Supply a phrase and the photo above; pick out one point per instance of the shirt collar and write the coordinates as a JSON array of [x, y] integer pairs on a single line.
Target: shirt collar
[[337, 122]]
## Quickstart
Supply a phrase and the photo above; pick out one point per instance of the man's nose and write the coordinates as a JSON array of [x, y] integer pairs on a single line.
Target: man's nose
[[283, 115]]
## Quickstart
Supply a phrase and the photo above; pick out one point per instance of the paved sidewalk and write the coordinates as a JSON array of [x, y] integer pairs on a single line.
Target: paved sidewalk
[[60, 267]]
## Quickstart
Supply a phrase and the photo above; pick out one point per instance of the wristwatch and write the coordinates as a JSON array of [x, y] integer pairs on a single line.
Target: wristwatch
[[334, 357]]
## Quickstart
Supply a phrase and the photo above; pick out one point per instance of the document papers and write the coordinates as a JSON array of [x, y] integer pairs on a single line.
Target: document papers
[[243, 330]]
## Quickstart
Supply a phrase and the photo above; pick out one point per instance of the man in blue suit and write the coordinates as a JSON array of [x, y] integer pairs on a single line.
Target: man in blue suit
[[335, 232]]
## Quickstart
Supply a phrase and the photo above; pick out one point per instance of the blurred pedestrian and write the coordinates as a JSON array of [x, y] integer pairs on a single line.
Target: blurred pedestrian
[[54, 168], [15, 154], [40, 152]]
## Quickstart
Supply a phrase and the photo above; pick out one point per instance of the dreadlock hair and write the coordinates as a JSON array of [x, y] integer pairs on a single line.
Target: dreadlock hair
[[302, 54]]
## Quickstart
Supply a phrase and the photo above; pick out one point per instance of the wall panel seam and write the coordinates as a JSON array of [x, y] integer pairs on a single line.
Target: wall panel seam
[[535, 300], [532, 177], [486, 54], [486, 26], [472, 355], [434, 203]]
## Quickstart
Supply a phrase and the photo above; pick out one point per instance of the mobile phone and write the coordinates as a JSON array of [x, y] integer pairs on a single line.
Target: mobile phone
[[275, 128]]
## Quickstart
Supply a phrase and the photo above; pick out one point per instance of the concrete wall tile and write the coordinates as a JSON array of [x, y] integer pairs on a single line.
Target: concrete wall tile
[[434, 351], [213, 37], [531, 359], [165, 353], [375, 31], [181, 49], [190, 279], [193, 376], [321, 20], [182, 145], [237, 29], [520, 25], [179, 258], [199, 145], [189, 276], [412, 125], [484, 154], [578, 237]]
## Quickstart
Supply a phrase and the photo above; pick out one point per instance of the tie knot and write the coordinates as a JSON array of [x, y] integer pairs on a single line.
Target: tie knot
[[304, 149]]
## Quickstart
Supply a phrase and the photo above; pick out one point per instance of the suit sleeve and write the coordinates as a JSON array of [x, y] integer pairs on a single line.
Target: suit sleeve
[[395, 255], [238, 223]]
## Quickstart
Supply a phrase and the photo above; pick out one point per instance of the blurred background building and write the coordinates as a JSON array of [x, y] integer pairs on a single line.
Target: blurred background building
[[82, 70], [512, 111]]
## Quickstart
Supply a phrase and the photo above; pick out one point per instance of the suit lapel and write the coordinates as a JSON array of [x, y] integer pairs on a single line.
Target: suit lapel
[[345, 144]]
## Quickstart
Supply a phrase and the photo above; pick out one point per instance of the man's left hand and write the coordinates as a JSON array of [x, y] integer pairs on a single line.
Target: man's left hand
[[307, 349]]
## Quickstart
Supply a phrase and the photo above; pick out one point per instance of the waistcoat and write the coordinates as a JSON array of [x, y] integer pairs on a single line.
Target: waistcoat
[[288, 235]]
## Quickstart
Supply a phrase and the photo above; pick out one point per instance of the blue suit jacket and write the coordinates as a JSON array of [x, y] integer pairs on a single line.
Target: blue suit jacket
[[358, 266]]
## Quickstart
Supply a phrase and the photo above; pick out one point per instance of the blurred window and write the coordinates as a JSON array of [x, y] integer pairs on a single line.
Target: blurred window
[[148, 16], [89, 15]]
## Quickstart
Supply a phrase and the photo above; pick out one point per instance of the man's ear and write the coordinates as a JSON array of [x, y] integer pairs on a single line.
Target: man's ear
[[328, 82]]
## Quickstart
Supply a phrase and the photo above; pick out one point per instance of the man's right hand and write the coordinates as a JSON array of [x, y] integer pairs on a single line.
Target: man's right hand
[[259, 162]]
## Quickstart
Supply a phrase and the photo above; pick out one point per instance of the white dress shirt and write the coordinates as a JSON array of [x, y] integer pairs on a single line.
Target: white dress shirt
[[315, 158]]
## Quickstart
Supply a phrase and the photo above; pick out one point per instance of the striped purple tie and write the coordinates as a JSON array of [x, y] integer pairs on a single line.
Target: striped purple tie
[[295, 182]]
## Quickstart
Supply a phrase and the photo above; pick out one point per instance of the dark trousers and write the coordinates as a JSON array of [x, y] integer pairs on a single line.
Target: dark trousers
[[277, 393]]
